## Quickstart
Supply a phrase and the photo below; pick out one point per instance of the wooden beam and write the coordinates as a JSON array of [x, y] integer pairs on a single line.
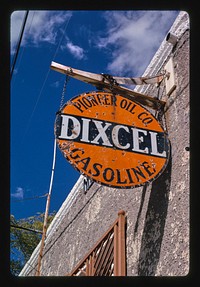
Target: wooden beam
[[116, 253], [100, 81], [121, 245]]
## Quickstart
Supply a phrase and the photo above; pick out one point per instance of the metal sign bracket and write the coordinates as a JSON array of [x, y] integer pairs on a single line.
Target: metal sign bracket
[[170, 84]]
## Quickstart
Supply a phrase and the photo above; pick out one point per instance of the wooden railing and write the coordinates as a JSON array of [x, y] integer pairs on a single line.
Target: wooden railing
[[107, 257]]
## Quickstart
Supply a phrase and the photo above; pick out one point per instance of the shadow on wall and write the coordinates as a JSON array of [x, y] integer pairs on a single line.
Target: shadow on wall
[[154, 223]]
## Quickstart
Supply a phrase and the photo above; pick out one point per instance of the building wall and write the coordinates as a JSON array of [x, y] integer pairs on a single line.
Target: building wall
[[157, 234]]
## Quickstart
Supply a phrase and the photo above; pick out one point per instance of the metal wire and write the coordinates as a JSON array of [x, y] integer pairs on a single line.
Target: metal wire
[[38, 272], [18, 44], [31, 198], [25, 228]]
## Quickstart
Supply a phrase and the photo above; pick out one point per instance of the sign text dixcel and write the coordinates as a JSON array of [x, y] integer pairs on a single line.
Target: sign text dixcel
[[111, 139]]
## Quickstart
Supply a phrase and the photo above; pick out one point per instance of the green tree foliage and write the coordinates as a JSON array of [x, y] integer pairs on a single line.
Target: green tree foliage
[[23, 242]]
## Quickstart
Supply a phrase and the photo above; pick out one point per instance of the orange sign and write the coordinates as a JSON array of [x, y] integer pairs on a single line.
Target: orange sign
[[111, 139]]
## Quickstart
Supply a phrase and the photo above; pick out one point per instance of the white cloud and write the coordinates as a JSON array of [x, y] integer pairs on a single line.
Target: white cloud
[[41, 27], [55, 84], [132, 37], [75, 50], [19, 194]]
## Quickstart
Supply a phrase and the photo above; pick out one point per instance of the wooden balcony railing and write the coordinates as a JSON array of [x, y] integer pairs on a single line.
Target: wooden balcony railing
[[107, 257]]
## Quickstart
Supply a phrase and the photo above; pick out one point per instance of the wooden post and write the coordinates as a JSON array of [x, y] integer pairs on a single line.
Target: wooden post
[[43, 236], [116, 253], [88, 267], [121, 244], [44, 231]]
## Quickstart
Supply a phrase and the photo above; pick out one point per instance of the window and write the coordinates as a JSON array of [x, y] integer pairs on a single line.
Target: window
[[107, 257]]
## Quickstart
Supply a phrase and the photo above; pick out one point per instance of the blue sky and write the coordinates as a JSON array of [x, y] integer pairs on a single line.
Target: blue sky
[[121, 43]]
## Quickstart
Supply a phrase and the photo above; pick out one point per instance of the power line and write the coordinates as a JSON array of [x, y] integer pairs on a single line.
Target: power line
[[37, 101], [25, 228], [40, 93], [19, 43], [23, 48], [54, 154], [66, 25], [31, 198]]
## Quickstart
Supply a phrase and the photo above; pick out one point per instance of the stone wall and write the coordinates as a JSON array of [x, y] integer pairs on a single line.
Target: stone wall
[[157, 235]]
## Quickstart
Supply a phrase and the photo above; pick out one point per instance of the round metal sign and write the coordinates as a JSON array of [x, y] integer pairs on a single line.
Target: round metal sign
[[111, 139]]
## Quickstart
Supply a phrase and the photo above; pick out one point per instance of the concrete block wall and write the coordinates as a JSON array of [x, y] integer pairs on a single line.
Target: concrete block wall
[[157, 233]]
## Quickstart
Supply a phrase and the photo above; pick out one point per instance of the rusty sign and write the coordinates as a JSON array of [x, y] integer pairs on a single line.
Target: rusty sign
[[111, 139]]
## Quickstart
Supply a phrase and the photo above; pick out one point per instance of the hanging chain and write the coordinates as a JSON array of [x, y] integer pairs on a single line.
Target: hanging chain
[[64, 91]]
